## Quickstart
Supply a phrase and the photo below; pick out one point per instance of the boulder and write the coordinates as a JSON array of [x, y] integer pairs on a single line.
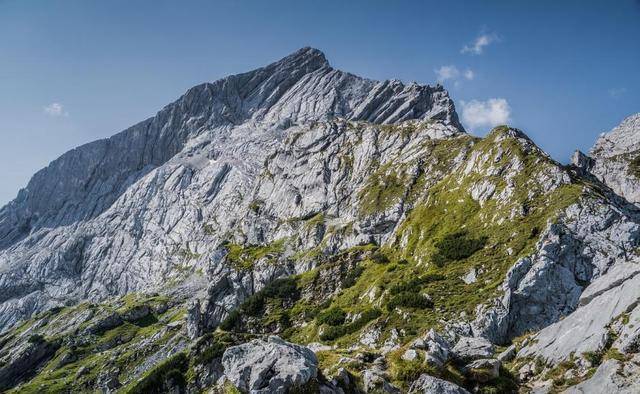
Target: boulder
[[470, 348], [437, 349], [269, 365], [427, 384], [483, 370], [508, 354]]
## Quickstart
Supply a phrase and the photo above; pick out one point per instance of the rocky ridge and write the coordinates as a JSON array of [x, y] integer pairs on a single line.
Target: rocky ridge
[[352, 216]]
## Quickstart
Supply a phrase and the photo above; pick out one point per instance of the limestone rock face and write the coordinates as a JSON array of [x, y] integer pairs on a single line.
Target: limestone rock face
[[588, 329], [269, 366], [611, 377], [126, 213], [615, 159]]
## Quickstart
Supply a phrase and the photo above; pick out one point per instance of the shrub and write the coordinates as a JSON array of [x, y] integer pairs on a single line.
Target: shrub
[[172, 369], [334, 332], [457, 246], [285, 288], [36, 338], [409, 300], [333, 317], [232, 321]]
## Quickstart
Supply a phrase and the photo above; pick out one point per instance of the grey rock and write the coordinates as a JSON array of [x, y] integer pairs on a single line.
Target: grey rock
[[588, 239], [437, 349], [468, 348], [610, 377], [483, 370], [612, 156], [508, 354], [194, 319], [427, 384], [25, 362], [587, 329], [269, 366]]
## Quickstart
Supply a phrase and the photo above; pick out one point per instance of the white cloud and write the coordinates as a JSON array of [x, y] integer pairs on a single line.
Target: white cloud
[[490, 113], [617, 92], [55, 109], [447, 72], [477, 47], [469, 74], [452, 73]]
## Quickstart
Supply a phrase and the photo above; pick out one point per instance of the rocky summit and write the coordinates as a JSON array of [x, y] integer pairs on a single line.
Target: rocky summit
[[297, 228]]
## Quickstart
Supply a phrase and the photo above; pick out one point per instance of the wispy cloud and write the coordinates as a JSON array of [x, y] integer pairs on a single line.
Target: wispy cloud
[[479, 44], [617, 92], [452, 73], [55, 109], [489, 113]]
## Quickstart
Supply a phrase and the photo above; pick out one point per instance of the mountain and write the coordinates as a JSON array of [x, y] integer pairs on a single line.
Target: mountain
[[355, 219]]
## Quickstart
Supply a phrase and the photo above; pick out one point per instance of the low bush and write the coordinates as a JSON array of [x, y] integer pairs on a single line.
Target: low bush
[[333, 316], [334, 332], [456, 246], [409, 300]]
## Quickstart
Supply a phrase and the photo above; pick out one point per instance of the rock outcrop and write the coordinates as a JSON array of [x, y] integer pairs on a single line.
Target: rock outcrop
[[614, 159], [269, 366]]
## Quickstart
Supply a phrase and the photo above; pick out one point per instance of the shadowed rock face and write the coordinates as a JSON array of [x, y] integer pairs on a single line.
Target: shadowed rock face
[[110, 216]]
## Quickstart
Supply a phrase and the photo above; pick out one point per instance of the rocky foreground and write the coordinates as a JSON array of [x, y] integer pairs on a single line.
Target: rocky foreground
[[300, 229]]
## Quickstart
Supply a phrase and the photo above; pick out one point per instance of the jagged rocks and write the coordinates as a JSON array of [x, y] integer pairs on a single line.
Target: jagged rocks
[[427, 384], [615, 159], [436, 350], [588, 329], [269, 366]]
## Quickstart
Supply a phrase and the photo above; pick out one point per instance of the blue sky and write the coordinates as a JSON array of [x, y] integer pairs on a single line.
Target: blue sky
[[75, 71]]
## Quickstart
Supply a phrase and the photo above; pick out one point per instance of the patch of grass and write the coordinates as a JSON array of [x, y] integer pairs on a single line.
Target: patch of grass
[[243, 258]]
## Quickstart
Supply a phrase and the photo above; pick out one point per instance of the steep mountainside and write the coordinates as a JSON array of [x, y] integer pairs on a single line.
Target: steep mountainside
[[615, 159], [352, 216]]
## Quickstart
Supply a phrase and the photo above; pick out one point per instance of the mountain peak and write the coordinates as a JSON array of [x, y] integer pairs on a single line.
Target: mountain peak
[[306, 55], [623, 138]]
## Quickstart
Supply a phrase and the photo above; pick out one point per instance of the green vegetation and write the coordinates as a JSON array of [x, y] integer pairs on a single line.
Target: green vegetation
[[409, 300], [384, 188], [332, 316], [170, 370], [334, 332], [243, 258], [634, 167], [456, 246]]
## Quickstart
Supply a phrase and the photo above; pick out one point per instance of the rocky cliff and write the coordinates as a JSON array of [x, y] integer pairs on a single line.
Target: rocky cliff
[[352, 216]]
